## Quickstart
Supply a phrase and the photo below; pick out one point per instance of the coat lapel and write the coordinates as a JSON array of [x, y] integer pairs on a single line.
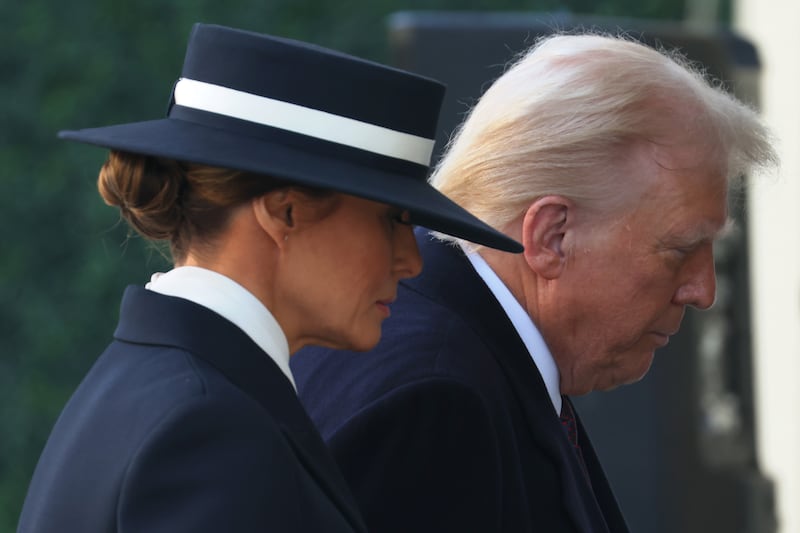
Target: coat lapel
[[151, 318], [451, 280]]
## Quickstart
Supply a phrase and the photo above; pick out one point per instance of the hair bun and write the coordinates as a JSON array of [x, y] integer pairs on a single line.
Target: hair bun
[[147, 191]]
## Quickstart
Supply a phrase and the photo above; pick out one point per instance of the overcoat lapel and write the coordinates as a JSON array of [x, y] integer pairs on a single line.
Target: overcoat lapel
[[151, 318], [461, 289]]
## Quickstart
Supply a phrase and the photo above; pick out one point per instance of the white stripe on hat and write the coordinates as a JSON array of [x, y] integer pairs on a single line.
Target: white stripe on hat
[[304, 120]]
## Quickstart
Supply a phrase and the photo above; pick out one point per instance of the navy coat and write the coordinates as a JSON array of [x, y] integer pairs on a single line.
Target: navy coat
[[447, 425], [185, 424]]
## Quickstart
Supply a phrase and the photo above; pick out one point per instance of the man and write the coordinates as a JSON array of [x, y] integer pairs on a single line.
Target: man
[[611, 163]]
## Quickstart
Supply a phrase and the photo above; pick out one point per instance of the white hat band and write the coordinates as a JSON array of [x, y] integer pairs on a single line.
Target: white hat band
[[303, 120]]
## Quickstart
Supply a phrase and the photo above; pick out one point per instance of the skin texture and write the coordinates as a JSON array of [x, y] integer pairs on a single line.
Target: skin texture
[[607, 291], [327, 268]]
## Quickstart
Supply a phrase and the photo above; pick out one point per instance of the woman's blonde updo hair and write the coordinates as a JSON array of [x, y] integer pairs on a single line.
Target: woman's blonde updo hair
[[178, 202]]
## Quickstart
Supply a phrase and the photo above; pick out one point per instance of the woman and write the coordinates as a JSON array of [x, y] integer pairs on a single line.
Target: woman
[[284, 179]]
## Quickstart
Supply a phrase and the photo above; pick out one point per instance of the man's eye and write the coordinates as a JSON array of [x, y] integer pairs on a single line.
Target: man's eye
[[684, 251]]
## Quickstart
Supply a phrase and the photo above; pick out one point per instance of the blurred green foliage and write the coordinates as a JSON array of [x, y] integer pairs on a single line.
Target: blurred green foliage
[[65, 256]]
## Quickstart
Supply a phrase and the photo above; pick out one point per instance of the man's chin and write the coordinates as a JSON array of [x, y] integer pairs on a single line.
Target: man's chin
[[630, 375]]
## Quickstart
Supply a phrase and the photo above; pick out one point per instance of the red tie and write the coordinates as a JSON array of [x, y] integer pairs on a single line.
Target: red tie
[[568, 421], [571, 429]]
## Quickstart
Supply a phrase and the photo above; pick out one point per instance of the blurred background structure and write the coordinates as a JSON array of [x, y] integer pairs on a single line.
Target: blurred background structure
[[719, 433], [775, 253]]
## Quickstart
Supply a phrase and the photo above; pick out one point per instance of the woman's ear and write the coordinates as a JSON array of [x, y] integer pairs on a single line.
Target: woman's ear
[[543, 234], [274, 213]]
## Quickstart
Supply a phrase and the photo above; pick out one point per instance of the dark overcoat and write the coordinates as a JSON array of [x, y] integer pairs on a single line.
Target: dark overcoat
[[185, 424]]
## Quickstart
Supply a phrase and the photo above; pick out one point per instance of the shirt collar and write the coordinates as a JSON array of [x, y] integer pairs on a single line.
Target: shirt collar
[[526, 329], [231, 301]]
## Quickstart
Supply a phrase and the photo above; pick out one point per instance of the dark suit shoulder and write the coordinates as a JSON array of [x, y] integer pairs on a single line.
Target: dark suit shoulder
[[149, 382]]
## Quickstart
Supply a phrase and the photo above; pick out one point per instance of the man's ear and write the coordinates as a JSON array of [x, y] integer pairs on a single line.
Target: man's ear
[[273, 211], [543, 230]]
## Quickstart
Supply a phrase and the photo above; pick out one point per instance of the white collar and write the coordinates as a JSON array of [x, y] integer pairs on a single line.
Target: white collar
[[231, 301], [524, 326]]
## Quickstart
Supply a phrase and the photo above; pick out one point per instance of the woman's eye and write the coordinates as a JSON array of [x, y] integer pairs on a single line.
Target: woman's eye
[[402, 217]]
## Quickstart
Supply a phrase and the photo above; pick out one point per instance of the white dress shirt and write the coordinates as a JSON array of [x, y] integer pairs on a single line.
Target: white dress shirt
[[231, 301], [525, 327]]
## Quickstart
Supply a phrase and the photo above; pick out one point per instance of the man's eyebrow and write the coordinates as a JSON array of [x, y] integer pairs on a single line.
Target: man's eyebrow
[[707, 233]]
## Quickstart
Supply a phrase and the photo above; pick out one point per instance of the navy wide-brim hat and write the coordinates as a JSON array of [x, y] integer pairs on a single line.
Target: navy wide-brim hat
[[305, 114]]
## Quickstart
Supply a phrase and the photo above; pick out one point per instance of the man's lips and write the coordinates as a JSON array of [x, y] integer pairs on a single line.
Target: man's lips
[[662, 337]]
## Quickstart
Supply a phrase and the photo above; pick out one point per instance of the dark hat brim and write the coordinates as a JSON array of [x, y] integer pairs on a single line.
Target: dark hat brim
[[191, 142]]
